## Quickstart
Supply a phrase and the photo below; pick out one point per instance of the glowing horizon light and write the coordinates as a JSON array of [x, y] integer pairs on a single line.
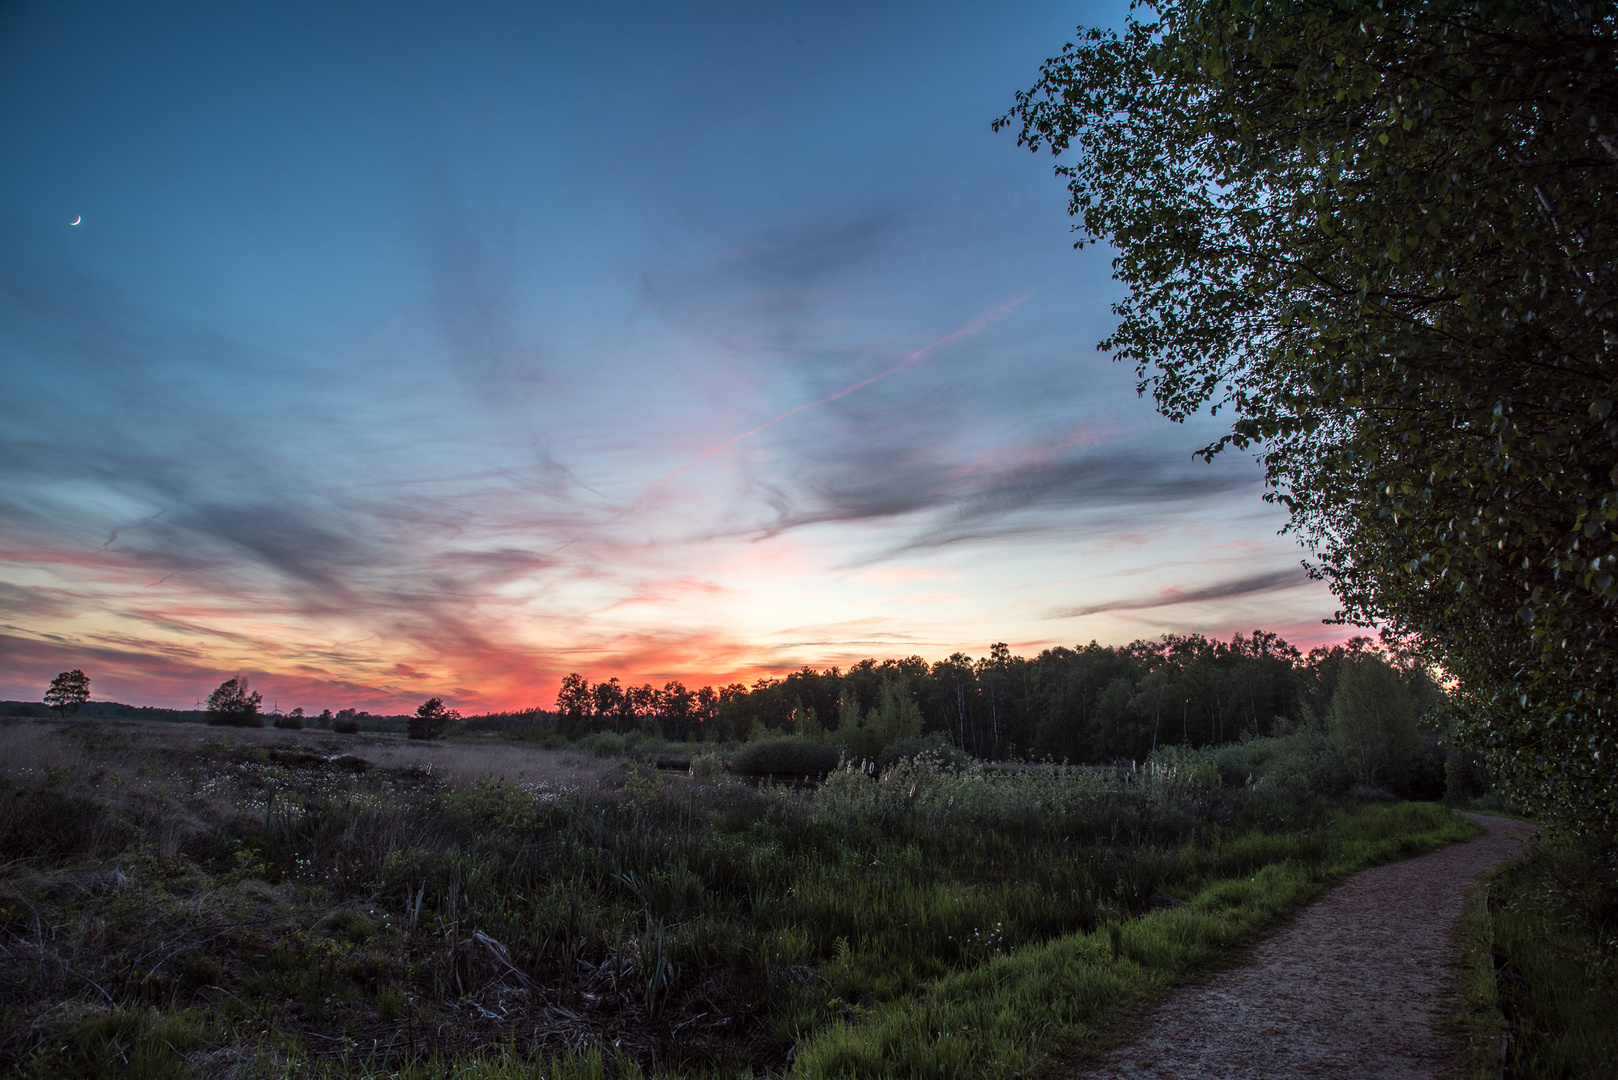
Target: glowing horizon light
[[392, 380]]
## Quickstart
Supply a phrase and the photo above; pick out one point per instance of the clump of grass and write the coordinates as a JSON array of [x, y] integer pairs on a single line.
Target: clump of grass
[[132, 1043]]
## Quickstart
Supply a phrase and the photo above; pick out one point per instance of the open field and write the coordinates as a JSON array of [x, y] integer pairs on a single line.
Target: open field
[[177, 899]]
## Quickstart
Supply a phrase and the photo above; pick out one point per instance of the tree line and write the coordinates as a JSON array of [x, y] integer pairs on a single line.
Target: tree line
[[234, 703], [1091, 703]]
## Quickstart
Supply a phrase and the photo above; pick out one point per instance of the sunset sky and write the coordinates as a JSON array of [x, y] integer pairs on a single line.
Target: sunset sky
[[444, 349]]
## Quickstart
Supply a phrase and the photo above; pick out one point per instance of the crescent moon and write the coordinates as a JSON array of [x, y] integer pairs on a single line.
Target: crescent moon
[[76, 219]]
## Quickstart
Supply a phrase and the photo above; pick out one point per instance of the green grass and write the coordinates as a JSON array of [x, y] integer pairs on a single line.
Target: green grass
[[930, 922], [1041, 1004], [1540, 965]]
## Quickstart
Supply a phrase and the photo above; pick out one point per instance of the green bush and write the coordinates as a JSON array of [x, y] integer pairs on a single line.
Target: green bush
[[619, 744], [1466, 777], [791, 755], [1302, 763], [707, 766], [934, 744]]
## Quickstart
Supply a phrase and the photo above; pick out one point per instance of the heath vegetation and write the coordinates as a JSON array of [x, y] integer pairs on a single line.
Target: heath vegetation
[[185, 900]]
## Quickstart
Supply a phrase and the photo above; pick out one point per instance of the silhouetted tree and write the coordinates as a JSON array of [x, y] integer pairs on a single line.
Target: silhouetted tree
[[431, 719], [234, 705], [68, 691]]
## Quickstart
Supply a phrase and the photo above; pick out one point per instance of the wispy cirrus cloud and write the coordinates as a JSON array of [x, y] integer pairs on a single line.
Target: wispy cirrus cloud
[[1234, 588], [498, 392]]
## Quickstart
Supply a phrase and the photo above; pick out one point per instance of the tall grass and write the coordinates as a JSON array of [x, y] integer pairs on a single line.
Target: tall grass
[[1054, 999], [1540, 965], [395, 919]]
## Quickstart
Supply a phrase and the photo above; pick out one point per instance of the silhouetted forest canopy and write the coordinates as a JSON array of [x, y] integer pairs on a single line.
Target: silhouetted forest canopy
[[1088, 704]]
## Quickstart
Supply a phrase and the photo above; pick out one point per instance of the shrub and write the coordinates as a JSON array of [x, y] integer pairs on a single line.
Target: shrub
[[1303, 763], [707, 767], [1465, 776], [1181, 771], [346, 725], [37, 822], [609, 743], [934, 744], [791, 755], [292, 721]]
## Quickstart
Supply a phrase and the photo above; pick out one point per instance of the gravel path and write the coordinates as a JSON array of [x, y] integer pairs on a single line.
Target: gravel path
[[1353, 986]]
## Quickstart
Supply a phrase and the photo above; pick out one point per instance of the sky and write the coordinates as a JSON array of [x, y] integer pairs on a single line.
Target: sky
[[407, 350]]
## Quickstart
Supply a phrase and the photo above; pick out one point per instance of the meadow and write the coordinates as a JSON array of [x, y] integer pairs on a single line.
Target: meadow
[[178, 900]]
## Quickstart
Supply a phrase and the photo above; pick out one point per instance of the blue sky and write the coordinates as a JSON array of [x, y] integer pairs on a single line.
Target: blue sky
[[446, 349]]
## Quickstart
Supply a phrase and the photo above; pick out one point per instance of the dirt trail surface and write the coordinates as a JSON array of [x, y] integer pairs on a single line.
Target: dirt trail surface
[[1354, 986]]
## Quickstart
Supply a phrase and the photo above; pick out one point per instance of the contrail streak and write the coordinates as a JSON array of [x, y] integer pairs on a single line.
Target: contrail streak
[[976, 326]]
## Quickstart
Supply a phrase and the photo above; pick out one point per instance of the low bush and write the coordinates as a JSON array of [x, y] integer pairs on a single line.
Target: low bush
[[633, 744], [1304, 763], [1466, 777], [346, 725], [790, 755], [935, 744]]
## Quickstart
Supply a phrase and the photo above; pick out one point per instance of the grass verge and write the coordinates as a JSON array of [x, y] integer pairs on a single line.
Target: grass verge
[[1540, 966], [1032, 1009]]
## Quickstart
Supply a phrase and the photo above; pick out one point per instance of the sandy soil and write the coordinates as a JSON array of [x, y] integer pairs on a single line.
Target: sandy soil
[[1354, 986]]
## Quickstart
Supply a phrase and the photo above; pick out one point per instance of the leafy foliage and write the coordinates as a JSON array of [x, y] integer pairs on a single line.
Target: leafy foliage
[[68, 692], [789, 754], [233, 704], [1375, 727], [1383, 236], [431, 719]]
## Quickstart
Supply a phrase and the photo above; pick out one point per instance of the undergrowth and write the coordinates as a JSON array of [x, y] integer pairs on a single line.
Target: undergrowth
[[1540, 965], [231, 909]]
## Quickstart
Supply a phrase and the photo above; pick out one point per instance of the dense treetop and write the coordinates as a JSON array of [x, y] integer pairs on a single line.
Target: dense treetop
[[1092, 703], [1381, 234]]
